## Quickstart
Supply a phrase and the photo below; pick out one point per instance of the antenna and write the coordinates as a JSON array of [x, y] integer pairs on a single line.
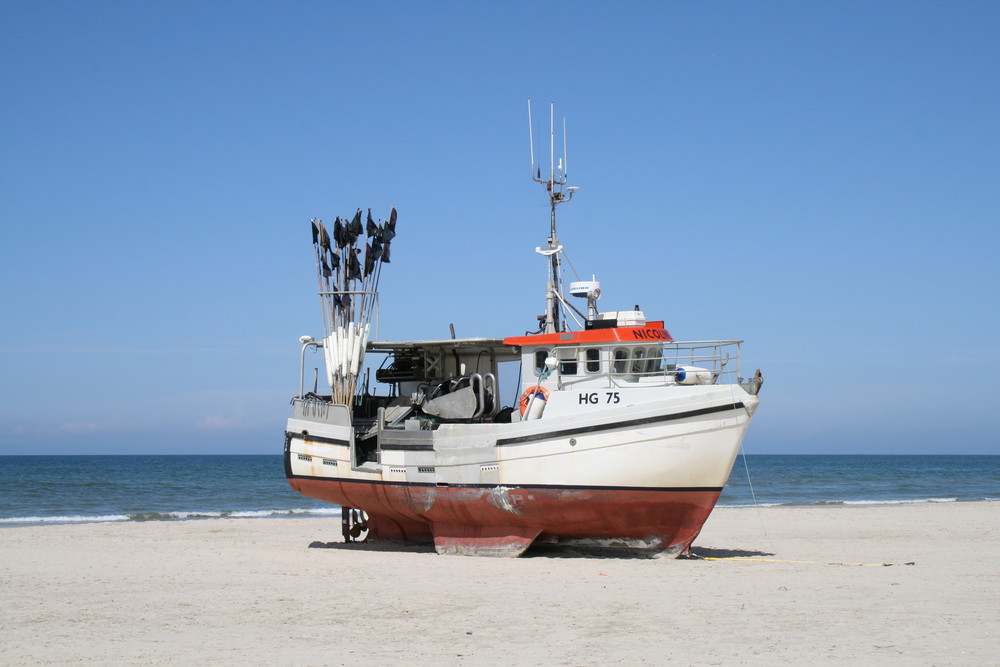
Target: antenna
[[552, 143], [565, 160], [558, 193], [531, 140]]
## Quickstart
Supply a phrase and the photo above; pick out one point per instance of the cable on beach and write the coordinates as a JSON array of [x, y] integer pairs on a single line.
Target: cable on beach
[[808, 562]]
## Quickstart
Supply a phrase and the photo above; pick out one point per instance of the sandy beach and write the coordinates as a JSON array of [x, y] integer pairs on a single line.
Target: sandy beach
[[775, 585]]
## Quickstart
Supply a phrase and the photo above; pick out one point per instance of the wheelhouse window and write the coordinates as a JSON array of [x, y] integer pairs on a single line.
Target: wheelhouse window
[[540, 357], [639, 361], [567, 361], [593, 360], [620, 365], [655, 362]]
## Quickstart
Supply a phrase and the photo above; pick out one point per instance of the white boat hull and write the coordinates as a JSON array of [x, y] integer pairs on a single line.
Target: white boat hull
[[647, 473]]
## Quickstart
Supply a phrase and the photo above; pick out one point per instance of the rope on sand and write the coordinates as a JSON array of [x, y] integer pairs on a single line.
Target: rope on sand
[[810, 562]]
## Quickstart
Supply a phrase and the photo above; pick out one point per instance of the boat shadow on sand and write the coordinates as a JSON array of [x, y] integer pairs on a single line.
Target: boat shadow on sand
[[547, 550], [619, 553], [707, 552], [381, 545]]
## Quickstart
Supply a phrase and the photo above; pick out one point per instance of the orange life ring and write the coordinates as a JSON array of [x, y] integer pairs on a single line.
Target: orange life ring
[[528, 393]]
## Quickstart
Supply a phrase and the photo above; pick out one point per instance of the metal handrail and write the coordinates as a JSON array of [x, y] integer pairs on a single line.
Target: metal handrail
[[675, 353], [491, 380]]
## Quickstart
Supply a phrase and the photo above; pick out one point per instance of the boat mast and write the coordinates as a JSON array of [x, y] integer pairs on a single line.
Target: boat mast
[[555, 186]]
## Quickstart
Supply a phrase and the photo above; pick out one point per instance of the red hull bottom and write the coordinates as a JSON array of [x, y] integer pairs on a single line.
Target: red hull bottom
[[504, 521]]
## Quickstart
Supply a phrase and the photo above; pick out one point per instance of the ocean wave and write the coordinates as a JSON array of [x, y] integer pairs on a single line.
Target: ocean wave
[[65, 519], [900, 502], [891, 501], [312, 511], [174, 516], [825, 503]]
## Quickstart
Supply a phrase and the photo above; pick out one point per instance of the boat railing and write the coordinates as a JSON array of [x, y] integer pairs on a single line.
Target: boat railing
[[319, 408], [713, 361]]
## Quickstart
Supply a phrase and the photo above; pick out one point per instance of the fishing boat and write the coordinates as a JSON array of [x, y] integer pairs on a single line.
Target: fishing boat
[[621, 436]]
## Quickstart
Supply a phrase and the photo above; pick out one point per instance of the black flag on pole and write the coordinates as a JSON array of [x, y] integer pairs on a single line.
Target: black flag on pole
[[353, 266], [338, 234], [369, 260]]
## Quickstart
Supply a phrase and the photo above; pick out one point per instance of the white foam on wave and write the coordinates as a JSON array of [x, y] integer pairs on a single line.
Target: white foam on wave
[[167, 516], [312, 511], [900, 502], [831, 503], [65, 519]]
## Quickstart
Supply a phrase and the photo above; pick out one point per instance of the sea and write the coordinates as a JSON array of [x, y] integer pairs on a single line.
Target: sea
[[82, 489]]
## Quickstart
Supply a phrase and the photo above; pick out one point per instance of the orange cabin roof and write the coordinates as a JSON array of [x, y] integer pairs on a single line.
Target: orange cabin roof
[[652, 331]]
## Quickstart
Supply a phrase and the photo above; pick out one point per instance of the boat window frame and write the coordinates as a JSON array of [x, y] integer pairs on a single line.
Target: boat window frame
[[592, 366]]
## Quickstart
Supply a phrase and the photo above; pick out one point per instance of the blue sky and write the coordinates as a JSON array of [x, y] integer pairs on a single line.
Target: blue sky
[[821, 180]]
